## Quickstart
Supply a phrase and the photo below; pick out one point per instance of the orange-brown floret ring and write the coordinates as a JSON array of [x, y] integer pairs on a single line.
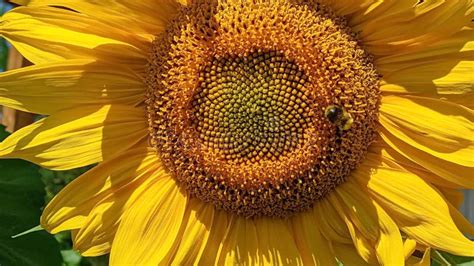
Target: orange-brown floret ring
[[237, 93]]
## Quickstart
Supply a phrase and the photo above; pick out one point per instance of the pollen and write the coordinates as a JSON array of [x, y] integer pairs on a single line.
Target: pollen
[[237, 100]]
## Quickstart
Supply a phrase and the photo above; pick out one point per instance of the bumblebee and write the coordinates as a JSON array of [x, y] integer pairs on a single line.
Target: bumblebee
[[339, 116]]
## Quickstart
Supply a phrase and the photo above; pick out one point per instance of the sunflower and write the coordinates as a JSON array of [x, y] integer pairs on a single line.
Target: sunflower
[[250, 132]]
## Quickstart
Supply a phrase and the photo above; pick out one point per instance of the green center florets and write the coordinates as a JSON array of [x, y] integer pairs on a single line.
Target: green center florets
[[251, 108]]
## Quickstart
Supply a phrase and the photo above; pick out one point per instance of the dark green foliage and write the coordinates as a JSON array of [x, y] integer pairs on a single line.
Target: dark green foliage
[[441, 258], [3, 55], [22, 197]]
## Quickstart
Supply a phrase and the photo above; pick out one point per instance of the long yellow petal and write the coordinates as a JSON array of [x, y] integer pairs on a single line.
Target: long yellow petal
[[347, 254], [451, 172], [439, 70], [145, 18], [364, 247], [454, 196], [409, 246], [77, 137], [241, 244], [418, 209], [314, 248], [211, 252], [386, 27], [465, 99], [332, 226], [154, 222], [96, 242], [276, 242], [459, 45], [260, 241], [199, 218], [382, 154], [439, 128], [461, 222], [71, 206], [98, 231], [48, 88], [373, 223], [389, 248], [47, 34]]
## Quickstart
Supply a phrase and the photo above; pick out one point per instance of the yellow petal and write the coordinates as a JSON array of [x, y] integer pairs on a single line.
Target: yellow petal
[[77, 137], [452, 173], [47, 34], [373, 223], [465, 99], [149, 228], [389, 248], [145, 17], [314, 248], [276, 242], [20, 2], [348, 255], [120, 174], [448, 75], [98, 231], [436, 127], [390, 26], [196, 233], [260, 241], [461, 222], [454, 196], [48, 88], [332, 226], [210, 253], [95, 243], [418, 209], [409, 246], [439, 70], [459, 45], [364, 247], [241, 244], [382, 154]]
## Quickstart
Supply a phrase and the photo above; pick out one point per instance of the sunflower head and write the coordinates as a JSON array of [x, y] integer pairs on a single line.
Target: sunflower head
[[237, 104], [272, 132]]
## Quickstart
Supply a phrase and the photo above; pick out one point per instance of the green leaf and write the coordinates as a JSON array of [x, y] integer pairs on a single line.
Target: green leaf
[[22, 196], [446, 259], [3, 55], [3, 44], [3, 133]]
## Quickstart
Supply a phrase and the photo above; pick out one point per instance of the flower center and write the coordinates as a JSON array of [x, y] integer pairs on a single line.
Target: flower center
[[249, 109], [260, 107]]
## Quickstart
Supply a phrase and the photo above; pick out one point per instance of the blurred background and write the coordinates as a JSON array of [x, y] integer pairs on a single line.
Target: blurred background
[[26, 188]]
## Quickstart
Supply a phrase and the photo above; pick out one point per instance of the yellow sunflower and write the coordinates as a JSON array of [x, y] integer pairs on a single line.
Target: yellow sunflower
[[250, 132]]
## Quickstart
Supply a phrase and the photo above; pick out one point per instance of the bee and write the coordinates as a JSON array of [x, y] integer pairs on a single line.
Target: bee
[[339, 116]]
